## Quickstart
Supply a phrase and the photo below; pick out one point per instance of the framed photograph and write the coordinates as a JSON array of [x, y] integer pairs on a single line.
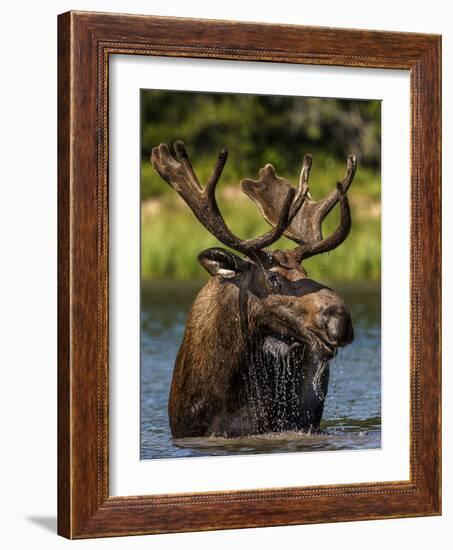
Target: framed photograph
[[249, 275]]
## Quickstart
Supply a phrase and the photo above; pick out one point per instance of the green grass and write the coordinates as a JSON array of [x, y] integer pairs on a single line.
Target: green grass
[[325, 172], [172, 237]]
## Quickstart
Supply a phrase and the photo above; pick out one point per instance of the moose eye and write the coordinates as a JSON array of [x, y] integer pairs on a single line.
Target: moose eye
[[274, 280]]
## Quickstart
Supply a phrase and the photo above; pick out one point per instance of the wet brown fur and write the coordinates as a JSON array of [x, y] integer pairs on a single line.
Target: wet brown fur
[[206, 395]]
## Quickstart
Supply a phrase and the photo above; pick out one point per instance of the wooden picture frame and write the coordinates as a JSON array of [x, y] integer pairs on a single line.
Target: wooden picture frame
[[85, 41]]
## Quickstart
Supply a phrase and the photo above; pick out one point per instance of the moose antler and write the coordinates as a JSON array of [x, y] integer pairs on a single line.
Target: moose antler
[[180, 174], [306, 227]]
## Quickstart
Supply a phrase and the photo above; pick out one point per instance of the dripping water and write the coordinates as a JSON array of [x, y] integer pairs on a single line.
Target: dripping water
[[333, 390], [272, 385]]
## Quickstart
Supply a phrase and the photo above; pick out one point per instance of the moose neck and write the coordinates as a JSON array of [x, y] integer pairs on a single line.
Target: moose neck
[[214, 327]]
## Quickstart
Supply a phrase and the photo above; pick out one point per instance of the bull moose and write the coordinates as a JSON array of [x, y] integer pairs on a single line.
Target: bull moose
[[259, 336]]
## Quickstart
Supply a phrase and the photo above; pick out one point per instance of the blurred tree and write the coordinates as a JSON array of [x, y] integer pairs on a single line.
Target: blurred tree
[[257, 129]]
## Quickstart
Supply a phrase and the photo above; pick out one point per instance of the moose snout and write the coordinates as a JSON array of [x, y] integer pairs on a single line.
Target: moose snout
[[335, 320]]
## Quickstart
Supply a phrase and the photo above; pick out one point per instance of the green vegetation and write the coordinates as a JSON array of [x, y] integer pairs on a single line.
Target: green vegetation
[[172, 237], [257, 130]]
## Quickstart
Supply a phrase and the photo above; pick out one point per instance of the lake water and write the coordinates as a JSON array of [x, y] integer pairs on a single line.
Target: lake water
[[352, 413]]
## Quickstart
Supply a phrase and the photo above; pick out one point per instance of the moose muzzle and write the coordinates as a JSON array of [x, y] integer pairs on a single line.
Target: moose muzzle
[[335, 322]]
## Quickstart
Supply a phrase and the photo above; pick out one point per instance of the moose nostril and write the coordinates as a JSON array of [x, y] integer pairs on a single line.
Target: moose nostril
[[337, 322], [332, 311]]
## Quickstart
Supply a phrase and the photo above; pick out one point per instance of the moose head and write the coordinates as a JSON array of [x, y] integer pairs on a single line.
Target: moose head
[[258, 307]]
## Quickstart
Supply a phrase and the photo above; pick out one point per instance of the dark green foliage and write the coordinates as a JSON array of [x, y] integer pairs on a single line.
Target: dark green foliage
[[259, 129]]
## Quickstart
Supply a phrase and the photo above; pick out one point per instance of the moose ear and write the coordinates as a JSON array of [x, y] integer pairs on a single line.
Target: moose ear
[[218, 261]]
